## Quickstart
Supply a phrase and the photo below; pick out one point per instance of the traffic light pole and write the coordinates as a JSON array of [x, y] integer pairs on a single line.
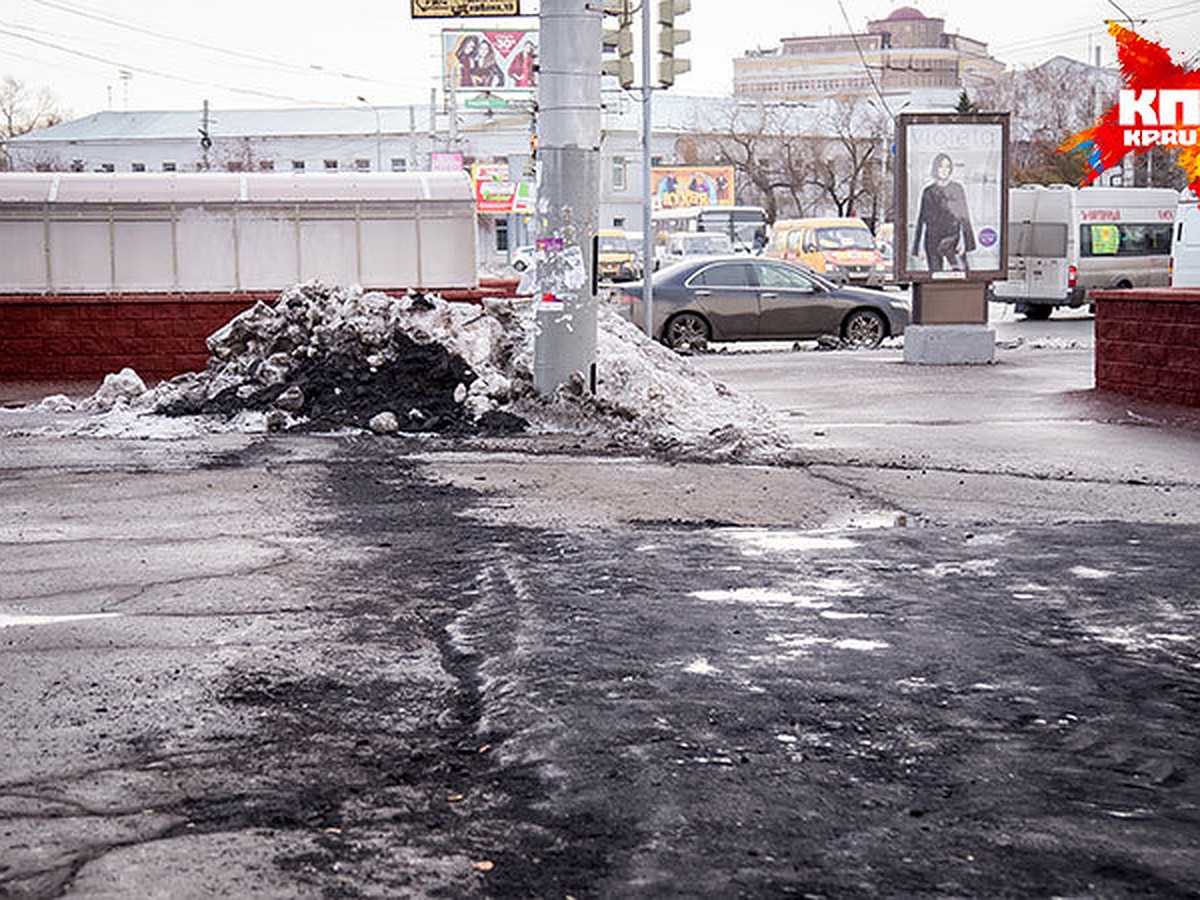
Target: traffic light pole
[[647, 198], [568, 206]]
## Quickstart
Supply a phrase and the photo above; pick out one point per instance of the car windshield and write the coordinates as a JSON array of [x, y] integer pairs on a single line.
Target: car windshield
[[846, 238], [614, 243]]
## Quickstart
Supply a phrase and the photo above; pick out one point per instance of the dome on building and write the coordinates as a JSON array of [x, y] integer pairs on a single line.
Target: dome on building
[[905, 14]]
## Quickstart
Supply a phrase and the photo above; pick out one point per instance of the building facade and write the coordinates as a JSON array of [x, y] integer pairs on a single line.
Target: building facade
[[372, 139], [908, 57]]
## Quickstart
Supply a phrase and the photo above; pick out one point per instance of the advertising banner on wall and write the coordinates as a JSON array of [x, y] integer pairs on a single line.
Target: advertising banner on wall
[[498, 195], [675, 187], [489, 60], [952, 197]]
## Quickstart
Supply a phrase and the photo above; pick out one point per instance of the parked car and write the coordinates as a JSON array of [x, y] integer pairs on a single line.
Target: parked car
[[746, 298]]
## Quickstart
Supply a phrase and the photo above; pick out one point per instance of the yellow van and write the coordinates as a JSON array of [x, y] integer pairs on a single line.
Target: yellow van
[[843, 249], [616, 256]]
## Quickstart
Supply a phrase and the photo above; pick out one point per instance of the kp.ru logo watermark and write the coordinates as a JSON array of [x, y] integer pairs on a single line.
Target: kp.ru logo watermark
[[1164, 118], [1160, 107]]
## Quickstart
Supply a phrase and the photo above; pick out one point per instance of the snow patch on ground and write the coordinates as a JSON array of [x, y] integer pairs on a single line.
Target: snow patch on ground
[[11, 620], [324, 358]]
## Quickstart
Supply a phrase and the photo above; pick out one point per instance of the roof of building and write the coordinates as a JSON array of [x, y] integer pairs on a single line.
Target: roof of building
[[671, 113], [185, 124], [904, 14]]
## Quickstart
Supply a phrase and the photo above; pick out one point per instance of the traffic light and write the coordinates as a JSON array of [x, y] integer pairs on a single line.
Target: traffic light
[[620, 40], [670, 37]]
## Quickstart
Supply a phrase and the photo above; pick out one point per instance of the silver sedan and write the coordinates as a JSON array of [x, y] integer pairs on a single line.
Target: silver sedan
[[740, 298]]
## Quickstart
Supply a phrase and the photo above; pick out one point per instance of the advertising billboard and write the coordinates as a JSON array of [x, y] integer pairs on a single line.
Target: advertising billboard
[[440, 161], [454, 9], [489, 60], [952, 203], [498, 195], [676, 187]]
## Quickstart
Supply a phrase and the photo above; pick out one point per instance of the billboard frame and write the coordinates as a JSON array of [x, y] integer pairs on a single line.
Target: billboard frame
[[954, 131]]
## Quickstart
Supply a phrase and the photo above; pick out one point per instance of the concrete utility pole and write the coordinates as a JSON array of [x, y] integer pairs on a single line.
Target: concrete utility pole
[[568, 193], [647, 197]]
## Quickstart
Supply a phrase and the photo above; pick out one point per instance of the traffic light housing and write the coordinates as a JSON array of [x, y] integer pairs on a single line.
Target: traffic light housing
[[669, 38], [620, 41]]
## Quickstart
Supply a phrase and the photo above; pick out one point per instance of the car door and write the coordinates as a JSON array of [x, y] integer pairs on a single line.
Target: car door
[[727, 295], [792, 305]]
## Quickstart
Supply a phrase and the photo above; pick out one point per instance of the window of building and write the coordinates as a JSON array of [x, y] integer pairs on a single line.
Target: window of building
[[502, 235], [331, 165], [169, 166], [399, 164], [618, 174], [297, 165], [362, 165], [137, 167]]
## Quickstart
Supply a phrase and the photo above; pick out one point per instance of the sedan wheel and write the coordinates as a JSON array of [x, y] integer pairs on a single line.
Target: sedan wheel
[[687, 331], [864, 328]]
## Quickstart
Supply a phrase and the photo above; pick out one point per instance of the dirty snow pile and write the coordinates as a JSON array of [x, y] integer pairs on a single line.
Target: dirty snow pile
[[328, 358]]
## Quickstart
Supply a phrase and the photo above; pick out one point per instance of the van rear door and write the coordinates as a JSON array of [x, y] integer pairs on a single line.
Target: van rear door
[[1037, 266]]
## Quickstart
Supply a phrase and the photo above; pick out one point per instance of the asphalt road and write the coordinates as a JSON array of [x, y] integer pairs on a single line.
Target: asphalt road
[[951, 652]]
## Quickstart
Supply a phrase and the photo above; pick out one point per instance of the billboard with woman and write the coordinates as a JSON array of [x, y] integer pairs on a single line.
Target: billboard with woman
[[489, 60], [952, 197]]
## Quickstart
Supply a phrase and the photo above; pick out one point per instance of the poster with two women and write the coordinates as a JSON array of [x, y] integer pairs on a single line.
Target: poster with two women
[[489, 60]]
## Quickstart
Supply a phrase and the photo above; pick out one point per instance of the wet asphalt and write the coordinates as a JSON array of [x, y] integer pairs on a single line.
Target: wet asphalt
[[316, 668]]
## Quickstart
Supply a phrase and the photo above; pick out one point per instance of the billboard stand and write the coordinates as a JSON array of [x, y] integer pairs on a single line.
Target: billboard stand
[[949, 325], [951, 231]]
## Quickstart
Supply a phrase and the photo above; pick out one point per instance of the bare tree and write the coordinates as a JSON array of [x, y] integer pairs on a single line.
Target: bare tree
[[757, 140], [23, 110], [236, 155], [844, 166], [1049, 104]]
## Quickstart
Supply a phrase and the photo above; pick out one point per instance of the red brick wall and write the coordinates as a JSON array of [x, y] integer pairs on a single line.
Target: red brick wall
[[84, 337], [1148, 344]]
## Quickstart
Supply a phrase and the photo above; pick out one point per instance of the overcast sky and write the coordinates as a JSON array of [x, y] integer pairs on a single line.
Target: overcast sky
[[135, 54]]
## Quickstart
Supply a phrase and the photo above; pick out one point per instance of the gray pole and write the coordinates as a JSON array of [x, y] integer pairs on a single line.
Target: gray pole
[[647, 200], [568, 193], [412, 138]]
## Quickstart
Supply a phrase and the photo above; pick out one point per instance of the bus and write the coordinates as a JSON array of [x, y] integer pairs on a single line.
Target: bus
[[746, 226]]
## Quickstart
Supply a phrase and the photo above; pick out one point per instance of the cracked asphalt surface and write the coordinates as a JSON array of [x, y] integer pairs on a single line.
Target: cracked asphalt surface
[[364, 667]]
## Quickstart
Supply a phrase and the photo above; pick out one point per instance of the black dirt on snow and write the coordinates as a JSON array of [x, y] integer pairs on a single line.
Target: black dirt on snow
[[417, 383]]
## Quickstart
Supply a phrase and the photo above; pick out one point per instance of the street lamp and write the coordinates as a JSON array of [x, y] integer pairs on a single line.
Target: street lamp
[[378, 134]]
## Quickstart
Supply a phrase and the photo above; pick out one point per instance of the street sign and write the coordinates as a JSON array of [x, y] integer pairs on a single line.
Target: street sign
[[486, 102], [454, 9]]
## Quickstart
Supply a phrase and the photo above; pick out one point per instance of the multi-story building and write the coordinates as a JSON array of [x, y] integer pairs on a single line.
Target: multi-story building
[[908, 57]]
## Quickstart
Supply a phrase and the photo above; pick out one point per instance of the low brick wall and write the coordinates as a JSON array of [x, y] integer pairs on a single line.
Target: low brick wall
[[56, 338], [84, 336], [1148, 344]]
